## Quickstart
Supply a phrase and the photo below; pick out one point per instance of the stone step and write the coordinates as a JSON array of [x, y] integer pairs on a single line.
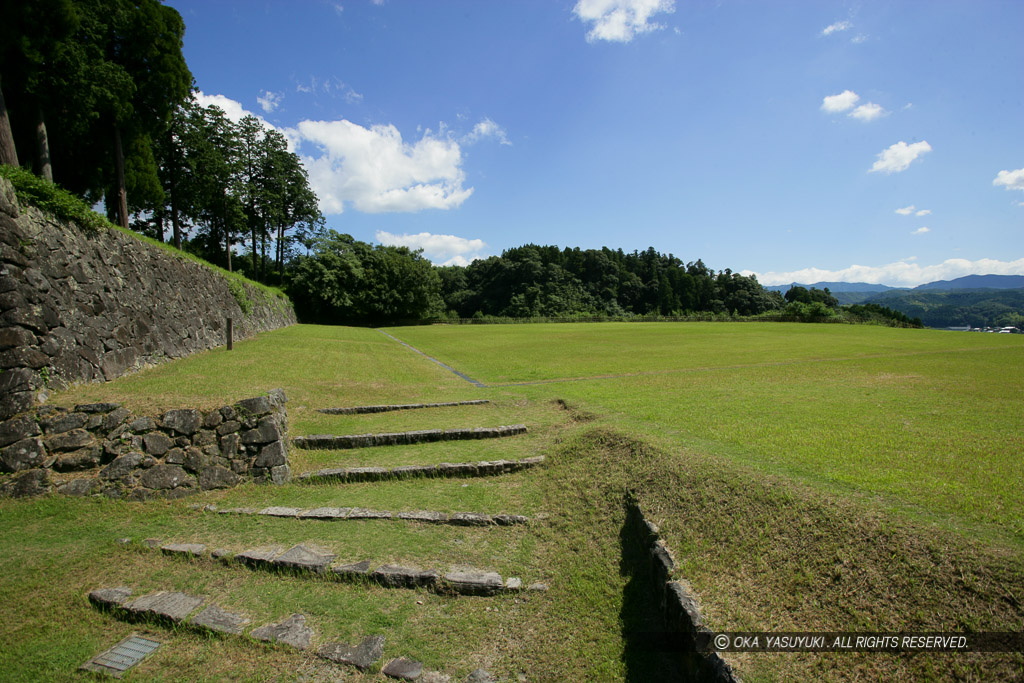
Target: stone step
[[311, 560], [359, 410], [354, 513], [345, 441], [173, 609], [482, 468]]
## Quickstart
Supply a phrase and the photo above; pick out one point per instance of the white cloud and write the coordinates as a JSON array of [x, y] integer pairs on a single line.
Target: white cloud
[[269, 100], [858, 39], [924, 212], [900, 274], [838, 26], [442, 250], [899, 156], [620, 21], [920, 231], [486, 128], [841, 102], [868, 112], [376, 171], [329, 86], [1011, 180], [232, 108], [906, 210]]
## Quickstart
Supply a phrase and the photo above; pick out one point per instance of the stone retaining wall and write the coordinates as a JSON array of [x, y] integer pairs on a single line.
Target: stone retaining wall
[[79, 305], [345, 441], [679, 610], [101, 448]]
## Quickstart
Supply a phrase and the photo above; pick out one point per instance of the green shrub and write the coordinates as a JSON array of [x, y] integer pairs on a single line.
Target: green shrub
[[32, 189]]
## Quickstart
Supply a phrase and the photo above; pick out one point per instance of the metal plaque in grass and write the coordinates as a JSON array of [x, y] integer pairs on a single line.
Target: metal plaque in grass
[[123, 656]]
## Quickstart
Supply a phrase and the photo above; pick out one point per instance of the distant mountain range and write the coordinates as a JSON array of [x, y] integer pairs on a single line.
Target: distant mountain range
[[966, 282], [970, 301]]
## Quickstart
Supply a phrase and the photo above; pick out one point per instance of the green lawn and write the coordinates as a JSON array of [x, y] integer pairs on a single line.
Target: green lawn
[[928, 422], [807, 477]]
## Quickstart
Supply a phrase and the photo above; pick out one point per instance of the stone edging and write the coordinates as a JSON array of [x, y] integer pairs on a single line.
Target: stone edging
[[680, 612], [360, 410], [344, 441], [353, 513], [101, 448], [481, 468], [316, 561]]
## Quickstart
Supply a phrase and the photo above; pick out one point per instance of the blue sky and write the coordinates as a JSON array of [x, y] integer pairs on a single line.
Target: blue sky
[[811, 140]]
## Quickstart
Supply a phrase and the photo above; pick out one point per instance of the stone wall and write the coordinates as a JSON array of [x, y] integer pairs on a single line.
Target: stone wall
[[78, 305], [101, 448]]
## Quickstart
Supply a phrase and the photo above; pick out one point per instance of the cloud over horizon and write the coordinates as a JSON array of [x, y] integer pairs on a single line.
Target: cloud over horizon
[[903, 273], [442, 250], [377, 171], [1011, 180]]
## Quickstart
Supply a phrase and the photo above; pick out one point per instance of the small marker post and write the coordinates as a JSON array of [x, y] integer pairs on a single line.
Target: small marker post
[[230, 330]]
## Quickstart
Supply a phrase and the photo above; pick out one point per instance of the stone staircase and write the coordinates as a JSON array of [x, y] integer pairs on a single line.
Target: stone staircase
[[318, 563]]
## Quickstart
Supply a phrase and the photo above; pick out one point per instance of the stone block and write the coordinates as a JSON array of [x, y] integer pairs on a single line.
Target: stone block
[[220, 620], [229, 445], [187, 549], [278, 511], [480, 676], [84, 459], [142, 424], [22, 455], [513, 583], [107, 598], [175, 456], [395, 576], [257, 406], [204, 437], [367, 473], [325, 513], [115, 418], [471, 519], [13, 337], [410, 471], [195, 459], [292, 631], [271, 455], [216, 477], [403, 669], [229, 427], [474, 582], [79, 487], [17, 429], [281, 474], [363, 656], [157, 443], [164, 605], [184, 421], [365, 513], [64, 422], [258, 557], [355, 570], [70, 440], [213, 419], [538, 587], [163, 477], [305, 558], [267, 431], [33, 482], [681, 612], [424, 516]]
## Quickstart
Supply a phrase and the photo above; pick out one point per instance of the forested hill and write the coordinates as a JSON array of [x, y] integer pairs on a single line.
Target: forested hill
[[534, 280]]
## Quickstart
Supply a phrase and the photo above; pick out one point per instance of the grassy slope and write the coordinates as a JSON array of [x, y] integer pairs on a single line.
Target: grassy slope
[[764, 526]]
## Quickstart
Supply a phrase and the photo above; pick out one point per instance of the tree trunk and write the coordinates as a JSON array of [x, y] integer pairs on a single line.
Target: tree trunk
[[158, 223], [263, 260], [173, 187], [43, 167], [280, 253], [8, 152], [254, 270], [122, 195]]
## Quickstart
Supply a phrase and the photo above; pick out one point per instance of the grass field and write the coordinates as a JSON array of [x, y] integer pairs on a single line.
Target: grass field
[[808, 477]]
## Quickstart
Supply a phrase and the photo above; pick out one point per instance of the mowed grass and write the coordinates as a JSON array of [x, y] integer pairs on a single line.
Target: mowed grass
[[925, 422], [808, 477]]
